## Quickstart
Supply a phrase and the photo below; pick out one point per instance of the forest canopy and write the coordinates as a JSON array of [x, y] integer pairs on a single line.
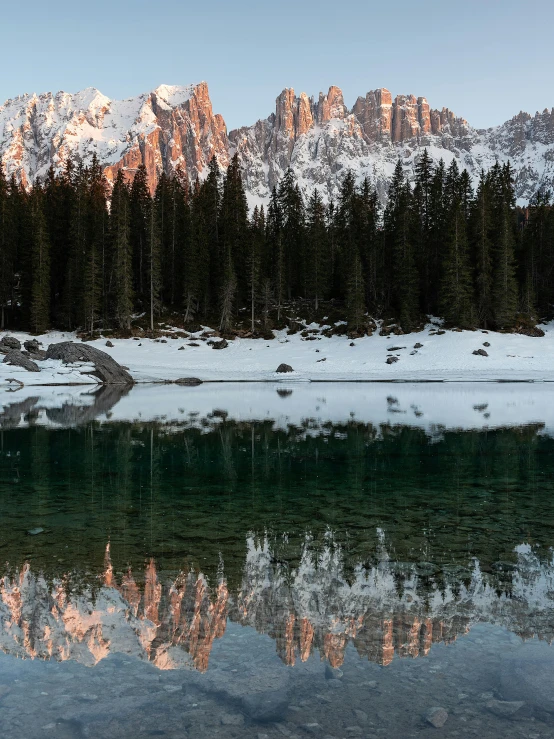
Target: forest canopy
[[75, 255]]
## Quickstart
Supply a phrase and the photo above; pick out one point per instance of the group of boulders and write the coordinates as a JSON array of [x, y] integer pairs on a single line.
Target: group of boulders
[[106, 369], [18, 357]]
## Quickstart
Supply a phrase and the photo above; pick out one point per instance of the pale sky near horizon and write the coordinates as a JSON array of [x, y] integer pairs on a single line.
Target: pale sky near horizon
[[484, 59]]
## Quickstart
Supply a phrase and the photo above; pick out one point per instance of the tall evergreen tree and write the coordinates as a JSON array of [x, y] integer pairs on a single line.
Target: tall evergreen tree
[[456, 298], [292, 231], [140, 211], [398, 217], [316, 265], [121, 273], [39, 299], [7, 245]]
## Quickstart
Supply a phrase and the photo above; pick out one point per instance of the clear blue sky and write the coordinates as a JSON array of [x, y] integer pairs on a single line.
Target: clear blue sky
[[485, 59]]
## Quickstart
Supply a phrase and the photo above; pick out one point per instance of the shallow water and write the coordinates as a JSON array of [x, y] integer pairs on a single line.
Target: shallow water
[[219, 572]]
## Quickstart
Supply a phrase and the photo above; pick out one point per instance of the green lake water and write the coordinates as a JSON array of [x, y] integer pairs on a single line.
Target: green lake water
[[219, 576]]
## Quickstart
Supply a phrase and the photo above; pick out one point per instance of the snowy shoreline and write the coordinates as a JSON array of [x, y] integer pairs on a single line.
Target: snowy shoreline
[[428, 356]]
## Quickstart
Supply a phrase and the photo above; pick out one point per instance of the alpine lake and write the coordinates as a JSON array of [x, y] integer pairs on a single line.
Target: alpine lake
[[222, 563]]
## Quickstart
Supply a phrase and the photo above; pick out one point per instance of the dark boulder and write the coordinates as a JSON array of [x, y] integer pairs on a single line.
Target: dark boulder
[[284, 368], [191, 381], [266, 706], [18, 359], [223, 344], [32, 345], [109, 344], [106, 368], [480, 352], [9, 343], [392, 360]]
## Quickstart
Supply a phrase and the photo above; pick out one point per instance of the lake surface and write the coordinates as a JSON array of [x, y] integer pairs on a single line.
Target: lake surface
[[277, 561]]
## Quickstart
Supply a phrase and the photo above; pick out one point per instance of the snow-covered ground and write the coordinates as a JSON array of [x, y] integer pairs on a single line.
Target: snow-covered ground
[[442, 357]]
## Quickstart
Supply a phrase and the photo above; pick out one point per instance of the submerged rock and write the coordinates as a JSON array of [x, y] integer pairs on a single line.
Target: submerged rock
[[436, 716], [528, 675], [188, 381], [506, 709], [106, 368]]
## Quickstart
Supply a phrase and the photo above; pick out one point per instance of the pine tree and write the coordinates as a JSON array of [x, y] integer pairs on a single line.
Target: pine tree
[[121, 274], [39, 313], [316, 266], [274, 238], [504, 285], [94, 298], [480, 225], [292, 231], [254, 263], [234, 230], [404, 276], [422, 205], [210, 198], [538, 257], [455, 298], [355, 305], [154, 263], [436, 229], [7, 245], [196, 258], [140, 210]]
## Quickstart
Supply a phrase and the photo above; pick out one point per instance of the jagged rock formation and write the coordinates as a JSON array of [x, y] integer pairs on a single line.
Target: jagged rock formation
[[167, 128], [175, 128], [106, 368]]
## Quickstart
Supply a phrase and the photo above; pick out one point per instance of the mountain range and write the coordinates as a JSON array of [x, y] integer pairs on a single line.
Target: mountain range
[[320, 139]]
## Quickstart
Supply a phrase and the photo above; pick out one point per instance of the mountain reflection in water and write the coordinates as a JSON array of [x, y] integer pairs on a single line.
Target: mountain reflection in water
[[319, 533], [172, 622]]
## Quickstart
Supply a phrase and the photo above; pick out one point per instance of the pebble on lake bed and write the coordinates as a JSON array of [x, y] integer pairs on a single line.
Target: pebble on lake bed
[[436, 716], [35, 531]]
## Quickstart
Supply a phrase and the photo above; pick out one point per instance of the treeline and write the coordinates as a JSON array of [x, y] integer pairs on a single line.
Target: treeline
[[74, 256]]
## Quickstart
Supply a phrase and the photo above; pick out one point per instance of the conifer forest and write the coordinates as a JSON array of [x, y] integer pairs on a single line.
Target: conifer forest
[[77, 255]]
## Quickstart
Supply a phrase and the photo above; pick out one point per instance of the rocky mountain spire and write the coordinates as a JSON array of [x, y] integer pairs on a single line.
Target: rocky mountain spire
[[321, 139]]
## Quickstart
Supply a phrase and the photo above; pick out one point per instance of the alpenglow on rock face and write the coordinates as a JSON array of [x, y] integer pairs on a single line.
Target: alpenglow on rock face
[[174, 128]]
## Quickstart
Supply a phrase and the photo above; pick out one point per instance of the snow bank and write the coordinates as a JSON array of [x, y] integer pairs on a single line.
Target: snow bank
[[446, 357]]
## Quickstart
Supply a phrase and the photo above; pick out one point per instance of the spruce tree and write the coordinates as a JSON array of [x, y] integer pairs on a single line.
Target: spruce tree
[[455, 298], [7, 245], [292, 231], [480, 229], [234, 231], [256, 250], [153, 254], [275, 241], [504, 285], [39, 308], [355, 296], [121, 274], [404, 276], [316, 265], [140, 211]]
